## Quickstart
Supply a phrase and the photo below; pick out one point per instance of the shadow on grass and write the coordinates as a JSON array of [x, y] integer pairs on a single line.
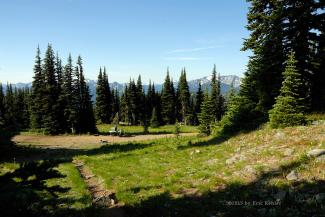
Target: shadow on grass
[[258, 198], [24, 191]]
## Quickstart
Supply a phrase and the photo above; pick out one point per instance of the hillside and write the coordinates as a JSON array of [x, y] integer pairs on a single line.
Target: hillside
[[267, 172]]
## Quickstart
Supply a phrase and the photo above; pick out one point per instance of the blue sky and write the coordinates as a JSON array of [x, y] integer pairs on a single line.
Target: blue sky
[[129, 37]]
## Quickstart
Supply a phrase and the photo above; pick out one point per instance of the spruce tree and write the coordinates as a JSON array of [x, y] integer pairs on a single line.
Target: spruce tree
[[108, 97], [103, 107], [68, 97], [289, 107], [10, 115], [125, 106], [87, 123], [141, 105], [206, 117], [184, 97], [61, 100], [216, 97], [2, 108], [133, 102], [50, 97], [221, 100], [20, 108], [168, 101], [198, 102], [36, 105]]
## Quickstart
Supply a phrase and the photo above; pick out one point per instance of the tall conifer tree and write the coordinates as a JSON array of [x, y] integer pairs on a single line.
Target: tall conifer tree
[[167, 101], [38, 87], [289, 107]]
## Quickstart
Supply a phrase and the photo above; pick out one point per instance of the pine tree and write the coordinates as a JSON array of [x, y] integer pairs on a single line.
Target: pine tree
[[20, 108], [87, 123], [206, 117], [184, 97], [68, 97], [60, 87], [108, 97], [216, 97], [125, 106], [50, 97], [141, 105], [168, 101], [198, 102], [10, 115], [115, 104], [36, 108], [133, 102], [2, 108], [289, 107], [103, 107], [221, 100], [149, 100]]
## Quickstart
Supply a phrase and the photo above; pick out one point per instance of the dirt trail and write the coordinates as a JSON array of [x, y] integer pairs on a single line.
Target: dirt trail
[[104, 200], [83, 141]]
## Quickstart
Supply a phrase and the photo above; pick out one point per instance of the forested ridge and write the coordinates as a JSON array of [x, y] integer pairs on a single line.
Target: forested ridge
[[285, 36], [59, 100]]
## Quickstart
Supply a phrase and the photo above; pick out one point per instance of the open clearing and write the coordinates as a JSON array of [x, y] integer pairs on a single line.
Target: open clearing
[[84, 141], [185, 176]]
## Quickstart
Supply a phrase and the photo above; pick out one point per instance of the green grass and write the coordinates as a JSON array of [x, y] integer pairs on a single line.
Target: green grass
[[316, 116], [77, 196], [189, 176], [105, 128], [170, 165]]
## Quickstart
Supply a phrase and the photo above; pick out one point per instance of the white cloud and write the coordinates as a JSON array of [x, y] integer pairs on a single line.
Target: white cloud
[[193, 49]]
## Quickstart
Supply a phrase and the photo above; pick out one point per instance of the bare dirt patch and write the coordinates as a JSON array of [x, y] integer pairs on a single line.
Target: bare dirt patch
[[83, 141]]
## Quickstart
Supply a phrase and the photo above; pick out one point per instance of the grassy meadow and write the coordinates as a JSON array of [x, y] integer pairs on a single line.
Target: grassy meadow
[[184, 176]]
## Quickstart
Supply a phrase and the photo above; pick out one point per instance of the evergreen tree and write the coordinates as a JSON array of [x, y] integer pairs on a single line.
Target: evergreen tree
[[198, 102], [50, 97], [87, 123], [184, 98], [10, 115], [115, 104], [149, 98], [141, 105], [108, 97], [2, 108], [221, 100], [68, 97], [206, 117], [167, 101], [289, 107], [36, 105], [60, 87], [133, 102], [20, 108], [103, 101], [125, 106], [216, 97]]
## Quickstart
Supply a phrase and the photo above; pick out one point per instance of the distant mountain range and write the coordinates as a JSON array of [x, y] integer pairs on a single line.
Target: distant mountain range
[[226, 82]]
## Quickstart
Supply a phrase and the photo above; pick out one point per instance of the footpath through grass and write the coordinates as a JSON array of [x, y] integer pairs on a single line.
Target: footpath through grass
[[244, 175], [167, 172]]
